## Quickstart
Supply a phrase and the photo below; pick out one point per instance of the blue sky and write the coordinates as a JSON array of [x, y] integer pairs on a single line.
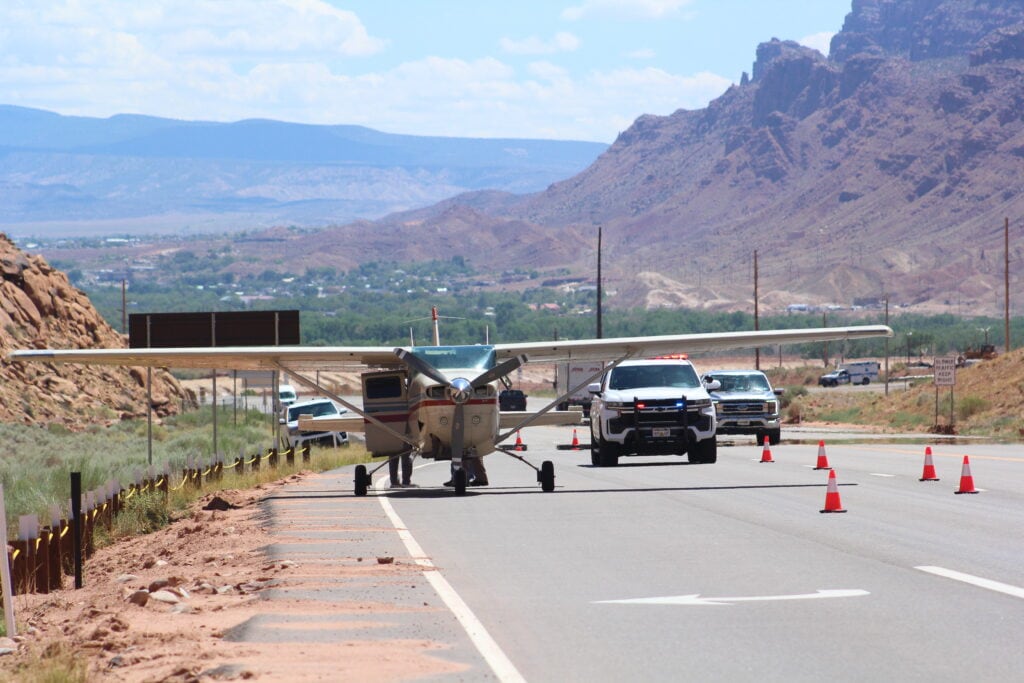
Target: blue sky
[[564, 69]]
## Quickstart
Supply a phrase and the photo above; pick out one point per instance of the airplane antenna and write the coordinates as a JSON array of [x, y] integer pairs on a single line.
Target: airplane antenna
[[412, 341], [437, 329], [487, 334]]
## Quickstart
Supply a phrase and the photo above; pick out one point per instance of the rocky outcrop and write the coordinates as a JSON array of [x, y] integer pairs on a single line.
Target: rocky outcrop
[[39, 308], [921, 29]]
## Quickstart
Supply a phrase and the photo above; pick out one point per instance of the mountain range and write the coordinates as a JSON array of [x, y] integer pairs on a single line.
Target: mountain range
[[63, 175], [885, 169]]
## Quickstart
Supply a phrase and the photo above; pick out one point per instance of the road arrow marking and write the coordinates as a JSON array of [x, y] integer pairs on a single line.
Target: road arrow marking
[[695, 599]]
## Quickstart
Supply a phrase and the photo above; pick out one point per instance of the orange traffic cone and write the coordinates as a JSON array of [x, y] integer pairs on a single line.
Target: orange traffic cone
[[519, 442], [822, 458], [929, 469], [832, 503], [766, 454], [966, 480], [575, 441]]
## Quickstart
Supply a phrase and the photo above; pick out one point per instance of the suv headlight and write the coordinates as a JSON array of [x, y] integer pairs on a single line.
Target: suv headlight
[[618, 405]]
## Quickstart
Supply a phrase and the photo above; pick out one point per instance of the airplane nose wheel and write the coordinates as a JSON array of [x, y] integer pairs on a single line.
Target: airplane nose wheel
[[459, 480], [546, 476]]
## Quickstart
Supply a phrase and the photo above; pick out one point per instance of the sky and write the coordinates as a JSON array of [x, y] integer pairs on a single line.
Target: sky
[[556, 69]]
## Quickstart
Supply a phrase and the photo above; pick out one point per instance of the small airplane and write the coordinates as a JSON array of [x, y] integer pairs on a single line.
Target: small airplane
[[440, 402]]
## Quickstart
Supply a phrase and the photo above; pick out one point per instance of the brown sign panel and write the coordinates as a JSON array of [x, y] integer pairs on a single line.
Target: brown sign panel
[[228, 328]]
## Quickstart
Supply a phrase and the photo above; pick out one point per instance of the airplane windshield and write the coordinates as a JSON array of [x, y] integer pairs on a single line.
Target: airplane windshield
[[457, 357], [635, 376]]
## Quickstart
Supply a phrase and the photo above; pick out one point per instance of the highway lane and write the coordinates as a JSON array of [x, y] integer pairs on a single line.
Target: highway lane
[[536, 568]]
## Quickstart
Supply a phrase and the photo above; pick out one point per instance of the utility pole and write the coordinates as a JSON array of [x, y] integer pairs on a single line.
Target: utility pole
[[757, 320], [124, 306], [886, 346], [1006, 280], [600, 330]]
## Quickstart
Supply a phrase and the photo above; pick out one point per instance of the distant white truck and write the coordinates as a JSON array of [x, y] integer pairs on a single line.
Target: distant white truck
[[572, 374], [860, 372]]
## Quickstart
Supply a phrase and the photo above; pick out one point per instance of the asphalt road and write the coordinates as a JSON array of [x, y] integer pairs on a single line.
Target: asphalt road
[[546, 574], [661, 570]]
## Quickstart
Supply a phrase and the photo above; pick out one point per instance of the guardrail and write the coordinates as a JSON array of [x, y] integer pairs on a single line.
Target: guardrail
[[41, 557]]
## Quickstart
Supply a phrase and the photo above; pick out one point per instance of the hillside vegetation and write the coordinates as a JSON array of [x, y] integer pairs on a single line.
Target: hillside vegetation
[[987, 401]]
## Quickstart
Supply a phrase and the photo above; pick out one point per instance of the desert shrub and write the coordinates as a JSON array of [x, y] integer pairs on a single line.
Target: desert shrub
[[971, 405], [142, 514], [791, 394]]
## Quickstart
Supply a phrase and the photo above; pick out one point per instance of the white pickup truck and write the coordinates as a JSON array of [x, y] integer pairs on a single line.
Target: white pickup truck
[[652, 407]]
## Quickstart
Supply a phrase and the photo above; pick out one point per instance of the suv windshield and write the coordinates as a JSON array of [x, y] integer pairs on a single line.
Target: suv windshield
[[632, 377], [742, 382], [315, 409]]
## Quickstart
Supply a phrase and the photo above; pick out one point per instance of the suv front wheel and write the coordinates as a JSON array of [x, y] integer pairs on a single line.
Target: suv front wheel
[[607, 453], [704, 452]]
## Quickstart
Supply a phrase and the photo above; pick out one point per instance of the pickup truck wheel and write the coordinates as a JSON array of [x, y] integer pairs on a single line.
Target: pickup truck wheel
[[608, 453], [704, 452], [774, 437]]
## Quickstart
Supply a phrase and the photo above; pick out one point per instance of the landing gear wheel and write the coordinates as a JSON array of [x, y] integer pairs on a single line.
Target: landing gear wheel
[[546, 476], [362, 480], [459, 480]]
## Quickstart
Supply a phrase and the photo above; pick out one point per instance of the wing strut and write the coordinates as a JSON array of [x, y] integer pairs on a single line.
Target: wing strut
[[573, 390]]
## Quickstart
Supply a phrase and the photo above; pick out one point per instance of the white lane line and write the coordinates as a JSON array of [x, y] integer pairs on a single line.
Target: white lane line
[[696, 599], [991, 585], [879, 474], [502, 666]]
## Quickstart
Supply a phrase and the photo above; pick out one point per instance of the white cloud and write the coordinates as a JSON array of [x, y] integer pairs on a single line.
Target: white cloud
[[299, 60], [637, 9], [643, 53], [818, 41], [560, 42]]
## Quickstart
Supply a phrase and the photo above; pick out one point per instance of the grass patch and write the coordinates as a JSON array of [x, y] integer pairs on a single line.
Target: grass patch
[[55, 664]]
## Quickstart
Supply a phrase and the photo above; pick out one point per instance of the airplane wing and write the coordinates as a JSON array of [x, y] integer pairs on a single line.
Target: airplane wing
[[342, 357], [606, 349], [555, 417], [224, 358], [353, 423]]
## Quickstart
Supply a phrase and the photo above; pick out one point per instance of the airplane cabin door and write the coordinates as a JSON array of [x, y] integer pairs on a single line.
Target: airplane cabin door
[[385, 396]]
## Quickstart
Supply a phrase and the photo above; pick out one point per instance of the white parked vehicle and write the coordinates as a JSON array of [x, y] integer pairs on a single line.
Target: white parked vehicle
[[286, 395], [652, 407], [860, 372], [318, 409]]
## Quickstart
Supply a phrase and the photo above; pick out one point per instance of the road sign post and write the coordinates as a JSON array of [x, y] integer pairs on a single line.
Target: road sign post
[[945, 376]]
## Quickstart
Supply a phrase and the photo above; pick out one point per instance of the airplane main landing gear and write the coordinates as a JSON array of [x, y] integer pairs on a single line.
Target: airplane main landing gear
[[546, 476], [362, 480]]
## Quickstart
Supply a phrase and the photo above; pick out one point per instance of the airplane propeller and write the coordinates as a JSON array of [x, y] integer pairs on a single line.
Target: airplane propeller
[[460, 389]]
